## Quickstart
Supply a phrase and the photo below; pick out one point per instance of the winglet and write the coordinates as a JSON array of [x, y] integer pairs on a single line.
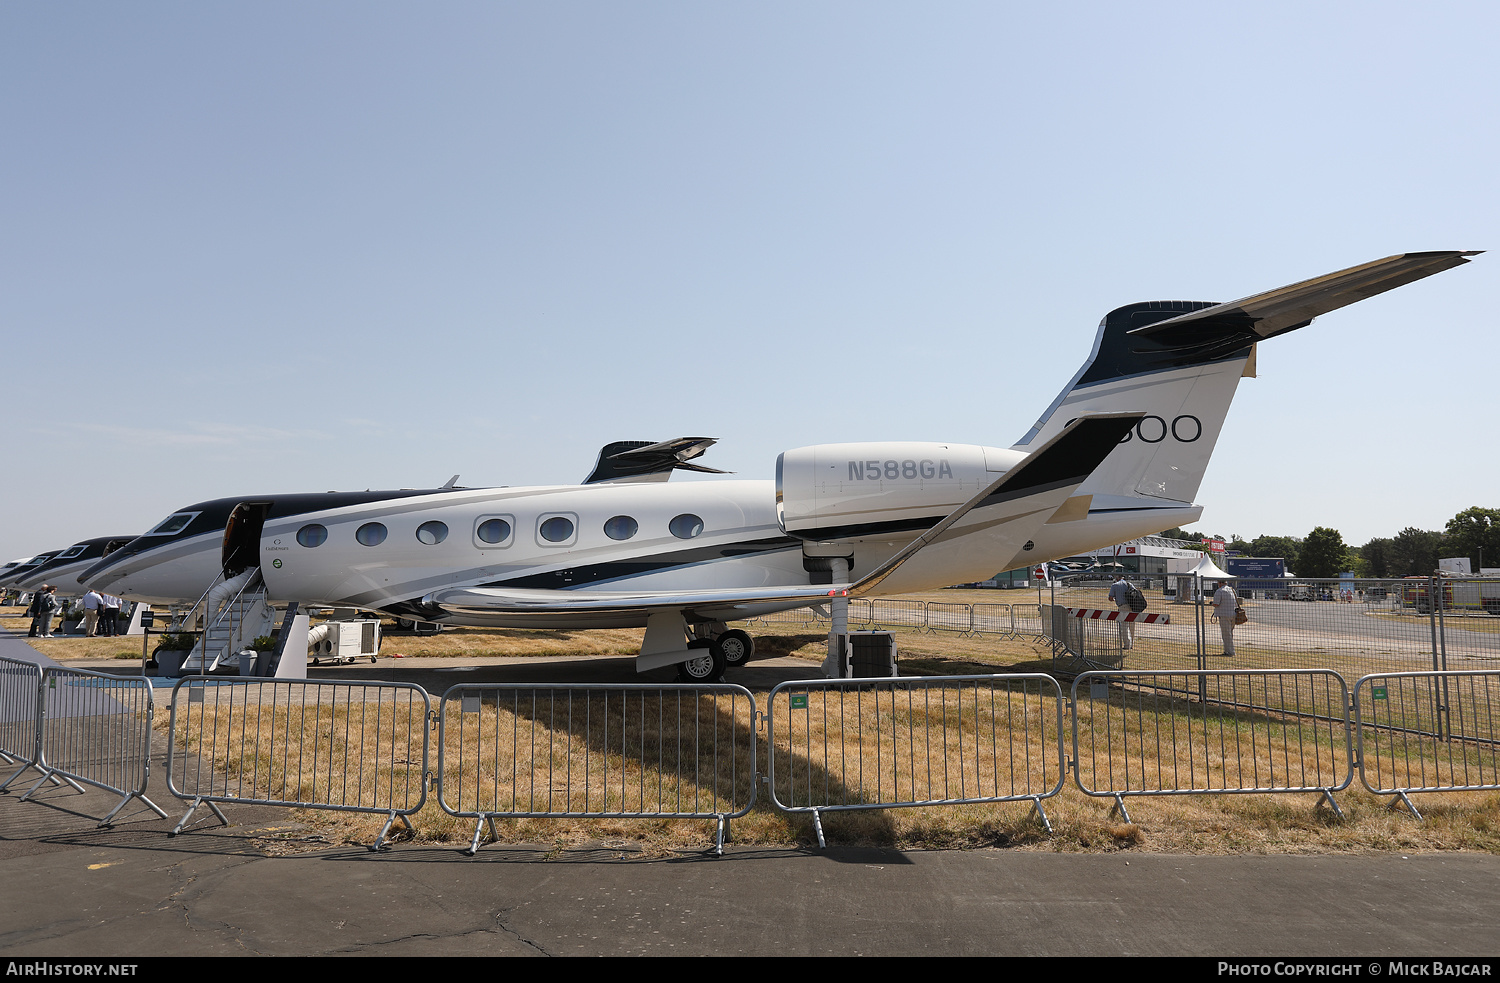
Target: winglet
[[640, 460]]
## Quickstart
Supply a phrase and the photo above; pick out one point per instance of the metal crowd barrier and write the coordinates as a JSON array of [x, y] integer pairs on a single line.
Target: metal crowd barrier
[[95, 728], [887, 613], [1428, 732], [843, 744], [797, 617], [1179, 733], [1026, 619], [345, 746], [992, 618], [946, 616], [20, 714], [630, 751]]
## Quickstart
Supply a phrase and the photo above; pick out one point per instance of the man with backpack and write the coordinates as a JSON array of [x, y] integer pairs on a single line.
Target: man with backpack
[[1127, 600], [46, 607]]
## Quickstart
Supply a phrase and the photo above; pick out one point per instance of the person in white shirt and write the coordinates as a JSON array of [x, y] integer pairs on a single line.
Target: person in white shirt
[[111, 614], [1225, 602], [91, 604]]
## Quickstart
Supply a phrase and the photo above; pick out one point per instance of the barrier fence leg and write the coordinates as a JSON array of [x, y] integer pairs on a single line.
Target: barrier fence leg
[[133, 795], [818, 826], [182, 823], [474, 843], [1328, 795], [18, 774], [1036, 806], [478, 830], [48, 773], [1119, 807], [1402, 799], [380, 843]]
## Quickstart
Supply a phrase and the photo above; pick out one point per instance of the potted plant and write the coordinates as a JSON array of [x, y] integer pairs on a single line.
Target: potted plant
[[172, 651]]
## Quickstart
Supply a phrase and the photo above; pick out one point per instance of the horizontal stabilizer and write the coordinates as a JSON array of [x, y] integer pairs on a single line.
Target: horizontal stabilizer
[[1276, 311]]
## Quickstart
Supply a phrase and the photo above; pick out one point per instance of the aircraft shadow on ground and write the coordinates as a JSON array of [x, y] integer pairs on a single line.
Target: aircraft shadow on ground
[[646, 751]]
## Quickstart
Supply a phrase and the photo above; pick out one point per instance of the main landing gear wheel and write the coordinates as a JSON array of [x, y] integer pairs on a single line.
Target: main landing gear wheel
[[706, 668], [736, 646]]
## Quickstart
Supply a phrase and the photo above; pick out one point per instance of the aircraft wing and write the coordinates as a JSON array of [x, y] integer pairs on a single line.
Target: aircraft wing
[[1286, 308], [1008, 512], [493, 600]]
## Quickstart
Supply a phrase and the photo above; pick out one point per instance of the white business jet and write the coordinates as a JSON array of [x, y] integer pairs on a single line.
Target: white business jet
[[14, 574], [65, 566], [1120, 453]]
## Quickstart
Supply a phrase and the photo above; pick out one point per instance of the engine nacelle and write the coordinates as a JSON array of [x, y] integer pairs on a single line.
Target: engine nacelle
[[872, 490]]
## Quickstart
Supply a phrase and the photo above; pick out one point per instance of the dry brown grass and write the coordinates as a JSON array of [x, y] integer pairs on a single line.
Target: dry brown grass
[[69, 647], [459, 643]]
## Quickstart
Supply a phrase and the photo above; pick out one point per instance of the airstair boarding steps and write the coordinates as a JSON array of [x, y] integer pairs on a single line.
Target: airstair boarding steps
[[234, 625]]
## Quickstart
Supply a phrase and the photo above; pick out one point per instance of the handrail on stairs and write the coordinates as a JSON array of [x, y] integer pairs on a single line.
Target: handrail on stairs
[[201, 647]]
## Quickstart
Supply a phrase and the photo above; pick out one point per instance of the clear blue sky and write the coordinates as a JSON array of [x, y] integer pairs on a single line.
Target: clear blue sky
[[271, 247]]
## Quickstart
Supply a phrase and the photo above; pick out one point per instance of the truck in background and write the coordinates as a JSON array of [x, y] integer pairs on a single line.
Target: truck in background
[[1456, 595]]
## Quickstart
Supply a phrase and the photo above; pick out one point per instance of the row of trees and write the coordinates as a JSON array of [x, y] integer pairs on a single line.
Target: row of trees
[[1474, 532]]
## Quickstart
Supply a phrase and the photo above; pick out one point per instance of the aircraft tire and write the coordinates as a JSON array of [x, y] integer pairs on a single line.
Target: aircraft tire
[[706, 668], [735, 646]]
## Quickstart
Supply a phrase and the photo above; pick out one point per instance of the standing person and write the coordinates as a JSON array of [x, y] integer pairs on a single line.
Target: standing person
[[1119, 592], [111, 614], [1225, 602], [46, 606], [91, 604], [35, 610]]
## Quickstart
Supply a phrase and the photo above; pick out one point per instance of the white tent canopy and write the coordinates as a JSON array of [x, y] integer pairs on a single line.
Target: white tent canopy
[[1187, 588], [1208, 571]]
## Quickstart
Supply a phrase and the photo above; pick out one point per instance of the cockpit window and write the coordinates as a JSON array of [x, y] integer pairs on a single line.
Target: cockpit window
[[173, 524], [70, 552]]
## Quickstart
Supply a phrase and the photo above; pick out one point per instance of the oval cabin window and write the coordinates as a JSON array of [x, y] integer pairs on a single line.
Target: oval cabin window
[[370, 534], [493, 531], [621, 527], [557, 529], [432, 533]]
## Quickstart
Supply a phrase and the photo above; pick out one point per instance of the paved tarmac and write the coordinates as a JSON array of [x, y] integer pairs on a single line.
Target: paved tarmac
[[70, 889]]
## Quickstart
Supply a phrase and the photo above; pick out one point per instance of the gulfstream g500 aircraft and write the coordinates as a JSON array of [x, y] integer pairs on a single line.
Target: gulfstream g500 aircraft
[[1120, 453]]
